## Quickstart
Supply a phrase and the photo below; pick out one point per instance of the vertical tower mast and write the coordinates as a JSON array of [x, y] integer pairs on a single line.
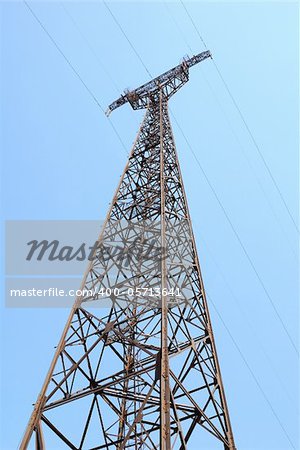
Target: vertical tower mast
[[145, 375]]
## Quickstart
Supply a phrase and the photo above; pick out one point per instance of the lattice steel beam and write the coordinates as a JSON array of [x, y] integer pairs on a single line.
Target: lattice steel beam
[[145, 374]]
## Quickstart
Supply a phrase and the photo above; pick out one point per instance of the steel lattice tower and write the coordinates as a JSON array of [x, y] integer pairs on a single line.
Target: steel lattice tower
[[146, 375]]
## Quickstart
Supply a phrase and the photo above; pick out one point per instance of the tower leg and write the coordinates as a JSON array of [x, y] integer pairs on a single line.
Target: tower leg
[[165, 442], [39, 437]]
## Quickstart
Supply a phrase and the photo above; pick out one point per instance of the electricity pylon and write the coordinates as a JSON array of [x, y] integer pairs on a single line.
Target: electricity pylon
[[143, 374]]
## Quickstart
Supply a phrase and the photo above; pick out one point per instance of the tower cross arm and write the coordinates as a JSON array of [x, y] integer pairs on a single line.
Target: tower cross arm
[[170, 81]]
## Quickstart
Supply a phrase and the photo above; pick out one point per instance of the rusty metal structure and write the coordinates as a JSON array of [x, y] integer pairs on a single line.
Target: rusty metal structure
[[144, 373]]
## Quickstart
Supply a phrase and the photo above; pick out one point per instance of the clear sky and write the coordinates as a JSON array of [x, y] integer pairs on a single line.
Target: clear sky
[[62, 160]]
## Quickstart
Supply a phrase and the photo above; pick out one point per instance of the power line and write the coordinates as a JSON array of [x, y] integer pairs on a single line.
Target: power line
[[131, 45], [218, 200], [253, 171], [75, 72], [188, 45], [64, 56], [89, 89], [238, 238], [194, 25], [230, 289], [234, 134], [178, 26], [256, 145], [245, 317], [91, 48], [252, 373], [127, 39], [210, 86], [226, 215], [245, 123]]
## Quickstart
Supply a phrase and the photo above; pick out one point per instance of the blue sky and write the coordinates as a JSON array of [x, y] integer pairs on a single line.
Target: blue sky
[[62, 160]]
